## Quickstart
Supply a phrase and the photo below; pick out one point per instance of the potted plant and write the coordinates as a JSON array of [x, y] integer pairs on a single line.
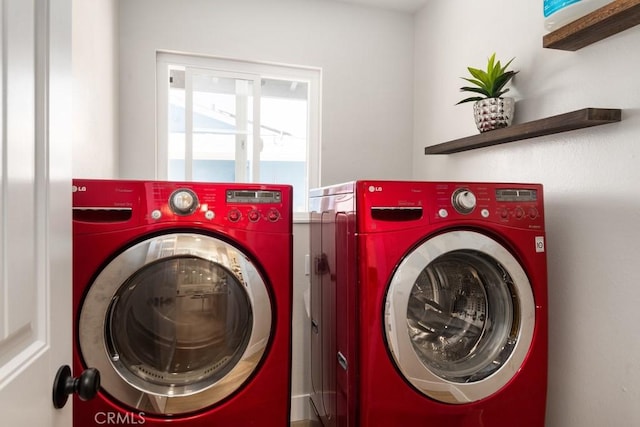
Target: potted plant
[[490, 109]]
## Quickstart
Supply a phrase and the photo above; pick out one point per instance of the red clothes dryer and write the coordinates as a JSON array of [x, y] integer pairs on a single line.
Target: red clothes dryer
[[428, 304], [182, 301]]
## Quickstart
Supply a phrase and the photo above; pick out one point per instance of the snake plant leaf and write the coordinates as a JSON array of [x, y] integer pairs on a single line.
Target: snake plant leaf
[[473, 81], [475, 98], [490, 83], [480, 75], [501, 81], [503, 69], [481, 91]]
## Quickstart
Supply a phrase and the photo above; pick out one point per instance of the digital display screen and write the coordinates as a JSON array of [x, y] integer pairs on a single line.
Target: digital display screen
[[253, 196], [516, 195]]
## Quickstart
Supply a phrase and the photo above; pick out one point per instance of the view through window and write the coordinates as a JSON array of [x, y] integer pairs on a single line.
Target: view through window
[[233, 121]]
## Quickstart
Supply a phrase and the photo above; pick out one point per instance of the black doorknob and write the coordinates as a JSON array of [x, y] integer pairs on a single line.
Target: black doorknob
[[86, 385]]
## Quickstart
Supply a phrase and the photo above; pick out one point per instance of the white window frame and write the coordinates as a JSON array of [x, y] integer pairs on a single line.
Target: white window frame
[[310, 75]]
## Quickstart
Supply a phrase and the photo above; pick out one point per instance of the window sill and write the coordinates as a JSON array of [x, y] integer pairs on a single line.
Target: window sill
[[301, 218]]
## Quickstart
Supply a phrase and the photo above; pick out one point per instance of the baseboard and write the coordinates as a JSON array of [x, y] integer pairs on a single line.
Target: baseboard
[[300, 408]]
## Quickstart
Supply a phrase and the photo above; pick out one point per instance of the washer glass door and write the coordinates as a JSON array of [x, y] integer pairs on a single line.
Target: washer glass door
[[459, 317], [175, 323]]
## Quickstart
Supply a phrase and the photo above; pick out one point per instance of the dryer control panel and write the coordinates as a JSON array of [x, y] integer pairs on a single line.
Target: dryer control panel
[[123, 204], [519, 205], [398, 204]]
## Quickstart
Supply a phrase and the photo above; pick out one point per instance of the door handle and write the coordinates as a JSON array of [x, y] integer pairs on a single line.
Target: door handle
[[343, 361], [86, 385]]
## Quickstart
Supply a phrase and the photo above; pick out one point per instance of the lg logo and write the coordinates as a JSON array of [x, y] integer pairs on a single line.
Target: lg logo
[[374, 189], [129, 418], [77, 188]]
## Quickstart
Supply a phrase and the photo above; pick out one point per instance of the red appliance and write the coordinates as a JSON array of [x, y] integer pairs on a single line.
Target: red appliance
[[428, 304], [182, 301]]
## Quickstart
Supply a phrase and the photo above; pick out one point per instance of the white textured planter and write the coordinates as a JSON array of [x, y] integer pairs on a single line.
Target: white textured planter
[[493, 113]]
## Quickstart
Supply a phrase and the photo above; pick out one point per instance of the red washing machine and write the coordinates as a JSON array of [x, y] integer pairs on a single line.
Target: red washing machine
[[182, 301], [428, 304]]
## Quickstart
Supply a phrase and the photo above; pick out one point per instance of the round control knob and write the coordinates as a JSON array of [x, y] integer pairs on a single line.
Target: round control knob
[[234, 215], [253, 215], [463, 201], [273, 215], [183, 202], [518, 213]]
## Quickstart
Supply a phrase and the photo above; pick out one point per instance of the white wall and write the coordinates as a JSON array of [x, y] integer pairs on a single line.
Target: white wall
[[591, 180], [95, 88], [301, 376], [366, 56]]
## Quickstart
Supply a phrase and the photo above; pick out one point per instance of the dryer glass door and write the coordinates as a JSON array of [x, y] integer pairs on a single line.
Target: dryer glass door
[[178, 322], [175, 323], [459, 316]]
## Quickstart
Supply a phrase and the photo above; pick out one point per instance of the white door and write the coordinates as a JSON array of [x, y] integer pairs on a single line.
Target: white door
[[35, 207]]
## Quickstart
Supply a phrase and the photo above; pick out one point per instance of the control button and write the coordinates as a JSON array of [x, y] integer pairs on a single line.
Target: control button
[[504, 213], [156, 214], [533, 213], [443, 213], [253, 215], [209, 215], [234, 215], [183, 202], [484, 213], [273, 215], [463, 201], [519, 213]]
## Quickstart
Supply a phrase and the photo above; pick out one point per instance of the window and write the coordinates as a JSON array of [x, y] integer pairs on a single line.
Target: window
[[234, 121]]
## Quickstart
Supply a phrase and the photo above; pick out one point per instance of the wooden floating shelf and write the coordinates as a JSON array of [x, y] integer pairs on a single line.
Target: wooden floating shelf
[[578, 119], [610, 19]]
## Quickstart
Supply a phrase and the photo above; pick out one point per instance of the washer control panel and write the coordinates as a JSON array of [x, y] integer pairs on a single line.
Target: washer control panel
[[516, 204], [239, 205], [398, 205], [98, 203]]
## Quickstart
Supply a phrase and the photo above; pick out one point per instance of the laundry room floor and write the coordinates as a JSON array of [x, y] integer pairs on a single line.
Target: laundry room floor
[[306, 423]]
